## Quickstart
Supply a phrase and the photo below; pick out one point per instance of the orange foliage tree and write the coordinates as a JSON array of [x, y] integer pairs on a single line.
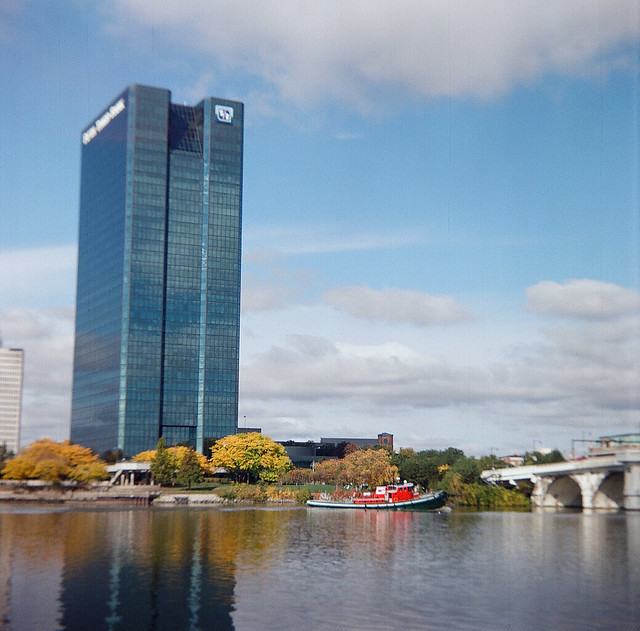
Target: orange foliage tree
[[370, 467], [363, 466], [299, 476], [54, 462], [330, 472]]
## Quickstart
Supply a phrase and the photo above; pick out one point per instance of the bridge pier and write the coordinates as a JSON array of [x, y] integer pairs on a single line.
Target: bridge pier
[[540, 488], [589, 484], [631, 489]]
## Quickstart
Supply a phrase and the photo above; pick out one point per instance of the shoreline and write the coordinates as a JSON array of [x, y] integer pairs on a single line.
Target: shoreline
[[61, 494], [37, 492]]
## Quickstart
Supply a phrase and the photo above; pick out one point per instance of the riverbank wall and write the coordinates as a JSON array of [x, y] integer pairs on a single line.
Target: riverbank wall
[[101, 493], [37, 491]]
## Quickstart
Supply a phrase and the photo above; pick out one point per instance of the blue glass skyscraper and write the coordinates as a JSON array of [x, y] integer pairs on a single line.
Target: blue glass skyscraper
[[158, 293]]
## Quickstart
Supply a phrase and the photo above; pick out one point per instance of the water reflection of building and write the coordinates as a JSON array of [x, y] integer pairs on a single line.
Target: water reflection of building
[[31, 571], [117, 569], [149, 570]]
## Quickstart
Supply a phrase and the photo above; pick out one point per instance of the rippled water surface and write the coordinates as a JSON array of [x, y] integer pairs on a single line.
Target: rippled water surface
[[317, 569]]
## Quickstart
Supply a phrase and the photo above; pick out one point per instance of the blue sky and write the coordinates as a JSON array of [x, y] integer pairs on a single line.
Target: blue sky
[[441, 206]]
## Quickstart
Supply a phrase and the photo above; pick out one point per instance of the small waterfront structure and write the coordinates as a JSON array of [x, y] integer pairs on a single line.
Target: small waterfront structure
[[130, 473], [513, 460]]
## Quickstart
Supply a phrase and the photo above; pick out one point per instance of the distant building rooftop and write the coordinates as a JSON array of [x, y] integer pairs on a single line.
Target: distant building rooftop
[[382, 439], [619, 439]]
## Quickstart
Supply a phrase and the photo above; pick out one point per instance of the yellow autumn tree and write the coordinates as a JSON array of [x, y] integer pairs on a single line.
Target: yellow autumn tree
[[369, 466], [250, 457], [176, 454], [47, 460]]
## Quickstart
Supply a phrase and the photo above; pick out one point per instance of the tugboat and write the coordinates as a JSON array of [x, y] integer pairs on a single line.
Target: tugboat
[[394, 497]]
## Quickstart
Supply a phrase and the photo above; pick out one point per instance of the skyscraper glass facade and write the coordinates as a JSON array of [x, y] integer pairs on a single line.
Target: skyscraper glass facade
[[158, 294]]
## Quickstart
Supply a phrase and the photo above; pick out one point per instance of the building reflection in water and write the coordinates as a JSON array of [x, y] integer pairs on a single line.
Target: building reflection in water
[[117, 569], [31, 569]]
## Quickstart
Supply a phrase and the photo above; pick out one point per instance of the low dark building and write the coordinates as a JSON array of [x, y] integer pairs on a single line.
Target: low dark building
[[304, 454], [382, 439]]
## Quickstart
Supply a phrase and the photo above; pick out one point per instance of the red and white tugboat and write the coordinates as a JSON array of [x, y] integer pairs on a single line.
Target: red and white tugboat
[[394, 496]]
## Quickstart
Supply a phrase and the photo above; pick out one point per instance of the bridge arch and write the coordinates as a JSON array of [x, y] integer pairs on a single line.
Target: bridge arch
[[563, 492], [610, 492]]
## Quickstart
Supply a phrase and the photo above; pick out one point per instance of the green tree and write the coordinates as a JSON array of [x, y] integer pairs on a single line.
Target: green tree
[[538, 457], [112, 456], [426, 468], [421, 468], [492, 462], [5, 455], [250, 457], [448, 457], [163, 466], [189, 470], [467, 471]]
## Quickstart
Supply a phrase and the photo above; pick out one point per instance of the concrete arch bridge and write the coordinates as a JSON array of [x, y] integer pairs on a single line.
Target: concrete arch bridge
[[607, 481]]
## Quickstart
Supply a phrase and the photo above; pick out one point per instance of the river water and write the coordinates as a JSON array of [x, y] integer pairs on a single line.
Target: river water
[[317, 569]]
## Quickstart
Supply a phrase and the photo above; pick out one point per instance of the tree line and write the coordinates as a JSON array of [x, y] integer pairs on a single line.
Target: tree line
[[246, 458], [254, 458]]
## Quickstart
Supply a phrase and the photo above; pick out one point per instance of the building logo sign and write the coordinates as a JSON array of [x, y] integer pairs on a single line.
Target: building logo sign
[[224, 114], [102, 122]]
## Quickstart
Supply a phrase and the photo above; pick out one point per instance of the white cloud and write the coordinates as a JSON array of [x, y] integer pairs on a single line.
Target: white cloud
[[337, 51], [397, 306], [311, 368], [46, 336], [584, 299], [268, 242], [201, 86], [38, 276], [259, 295]]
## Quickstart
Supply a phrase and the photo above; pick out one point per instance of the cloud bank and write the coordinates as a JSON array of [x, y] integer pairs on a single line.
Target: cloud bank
[[571, 376], [576, 373], [343, 51], [583, 299], [395, 306], [38, 276]]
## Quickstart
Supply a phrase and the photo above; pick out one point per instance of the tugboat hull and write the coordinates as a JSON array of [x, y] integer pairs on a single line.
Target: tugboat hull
[[429, 501]]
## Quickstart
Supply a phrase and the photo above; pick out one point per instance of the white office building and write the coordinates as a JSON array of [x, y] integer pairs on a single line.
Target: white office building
[[11, 372]]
